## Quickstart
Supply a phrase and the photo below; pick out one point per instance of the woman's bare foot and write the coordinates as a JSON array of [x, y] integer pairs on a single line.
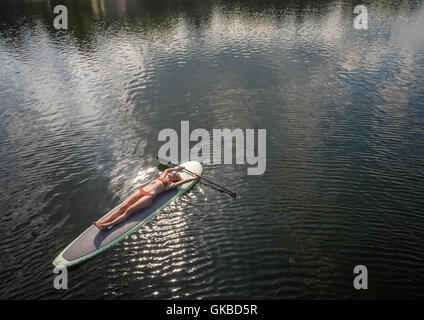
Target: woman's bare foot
[[100, 226]]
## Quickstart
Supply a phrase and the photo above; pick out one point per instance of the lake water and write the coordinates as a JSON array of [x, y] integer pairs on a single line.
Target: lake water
[[80, 114]]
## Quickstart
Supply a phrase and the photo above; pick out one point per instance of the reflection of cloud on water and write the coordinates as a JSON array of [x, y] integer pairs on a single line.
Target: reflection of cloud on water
[[299, 62], [332, 27]]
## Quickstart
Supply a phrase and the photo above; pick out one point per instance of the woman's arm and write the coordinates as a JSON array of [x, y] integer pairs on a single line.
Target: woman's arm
[[166, 171], [177, 184]]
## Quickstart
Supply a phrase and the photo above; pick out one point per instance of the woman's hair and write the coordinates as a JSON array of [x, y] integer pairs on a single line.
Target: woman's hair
[[177, 175]]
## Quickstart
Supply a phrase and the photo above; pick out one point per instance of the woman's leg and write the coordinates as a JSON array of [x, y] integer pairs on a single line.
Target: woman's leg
[[142, 203], [130, 201]]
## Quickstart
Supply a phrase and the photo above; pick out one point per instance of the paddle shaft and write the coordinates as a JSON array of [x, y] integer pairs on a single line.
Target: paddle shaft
[[233, 194]]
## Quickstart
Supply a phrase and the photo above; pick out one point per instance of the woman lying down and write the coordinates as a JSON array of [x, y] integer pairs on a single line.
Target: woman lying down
[[144, 198]]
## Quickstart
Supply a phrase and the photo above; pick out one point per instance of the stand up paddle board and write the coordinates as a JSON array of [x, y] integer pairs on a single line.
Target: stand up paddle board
[[93, 241]]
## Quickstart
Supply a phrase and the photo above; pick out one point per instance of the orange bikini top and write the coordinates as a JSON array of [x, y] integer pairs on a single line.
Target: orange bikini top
[[164, 181]]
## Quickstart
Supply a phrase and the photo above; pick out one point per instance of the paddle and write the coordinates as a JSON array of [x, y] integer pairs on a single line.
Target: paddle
[[233, 194]]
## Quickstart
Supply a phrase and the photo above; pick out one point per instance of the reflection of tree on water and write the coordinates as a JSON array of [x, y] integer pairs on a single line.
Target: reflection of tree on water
[[84, 15], [159, 16]]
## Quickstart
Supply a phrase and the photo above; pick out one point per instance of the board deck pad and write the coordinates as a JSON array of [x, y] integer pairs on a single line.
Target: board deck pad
[[93, 241]]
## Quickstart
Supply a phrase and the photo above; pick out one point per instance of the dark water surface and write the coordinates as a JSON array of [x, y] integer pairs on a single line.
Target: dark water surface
[[80, 113]]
